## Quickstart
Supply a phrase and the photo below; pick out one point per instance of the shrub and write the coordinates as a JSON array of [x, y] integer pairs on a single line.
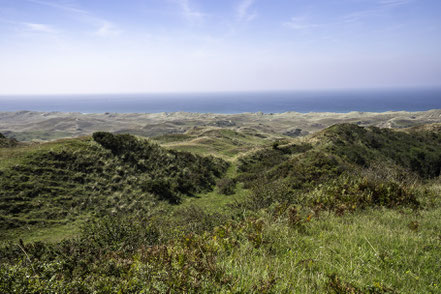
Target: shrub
[[226, 186], [350, 192], [263, 195], [194, 219], [162, 189]]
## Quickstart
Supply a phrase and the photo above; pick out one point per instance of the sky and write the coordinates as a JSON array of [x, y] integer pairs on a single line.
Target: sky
[[144, 46]]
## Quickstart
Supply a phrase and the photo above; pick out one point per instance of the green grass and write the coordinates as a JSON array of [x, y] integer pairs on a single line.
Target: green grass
[[373, 249], [44, 233], [214, 202], [10, 156]]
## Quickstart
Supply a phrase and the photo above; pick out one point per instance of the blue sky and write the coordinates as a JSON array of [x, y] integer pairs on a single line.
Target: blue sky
[[110, 46]]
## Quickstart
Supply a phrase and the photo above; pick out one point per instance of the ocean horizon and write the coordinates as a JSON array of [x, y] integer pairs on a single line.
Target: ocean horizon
[[340, 101]]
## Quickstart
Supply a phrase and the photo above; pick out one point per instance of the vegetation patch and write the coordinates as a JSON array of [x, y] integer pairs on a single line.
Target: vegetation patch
[[344, 211], [7, 142], [111, 173]]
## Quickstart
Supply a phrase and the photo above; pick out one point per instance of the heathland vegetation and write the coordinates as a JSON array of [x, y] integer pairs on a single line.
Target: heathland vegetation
[[345, 210], [32, 125]]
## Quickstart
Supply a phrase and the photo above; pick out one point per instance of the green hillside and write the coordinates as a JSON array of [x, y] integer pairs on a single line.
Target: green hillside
[[346, 210], [57, 183], [224, 143], [345, 166]]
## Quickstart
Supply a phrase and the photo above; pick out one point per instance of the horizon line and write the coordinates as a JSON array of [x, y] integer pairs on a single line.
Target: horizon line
[[384, 88]]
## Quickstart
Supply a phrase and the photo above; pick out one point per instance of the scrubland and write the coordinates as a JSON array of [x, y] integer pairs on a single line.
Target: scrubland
[[348, 209]]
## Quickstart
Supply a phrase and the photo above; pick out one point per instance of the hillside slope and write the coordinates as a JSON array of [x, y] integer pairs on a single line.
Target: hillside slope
[[96, 176], [344, 166]]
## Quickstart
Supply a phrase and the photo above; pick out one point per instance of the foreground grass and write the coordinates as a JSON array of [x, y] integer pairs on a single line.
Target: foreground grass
[[377, 250], [373, 251]]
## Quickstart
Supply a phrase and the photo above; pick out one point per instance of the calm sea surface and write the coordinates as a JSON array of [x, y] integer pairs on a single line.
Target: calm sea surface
[[267, 102]]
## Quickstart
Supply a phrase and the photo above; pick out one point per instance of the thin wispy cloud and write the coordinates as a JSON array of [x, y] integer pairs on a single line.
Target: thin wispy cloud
[[103, 27], [393, 3], [188, 12], [243, 12], [61, 6], [380, 8], [300, 23], [40, 28], [357, 16], [107, 29]]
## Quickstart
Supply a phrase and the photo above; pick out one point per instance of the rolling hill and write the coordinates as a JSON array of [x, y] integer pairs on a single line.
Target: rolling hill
[[348, 209]]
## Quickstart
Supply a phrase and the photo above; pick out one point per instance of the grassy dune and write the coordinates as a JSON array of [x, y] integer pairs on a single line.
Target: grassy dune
[[224, 143], [346, 210]]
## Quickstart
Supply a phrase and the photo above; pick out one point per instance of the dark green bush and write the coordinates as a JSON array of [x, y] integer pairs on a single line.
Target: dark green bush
[[162, 189], [226, 186]]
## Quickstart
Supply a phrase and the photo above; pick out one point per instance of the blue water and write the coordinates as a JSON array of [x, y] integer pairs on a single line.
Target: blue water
[[267, 102]]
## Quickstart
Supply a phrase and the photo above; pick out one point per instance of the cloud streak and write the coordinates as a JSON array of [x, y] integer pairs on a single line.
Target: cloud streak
[[299, 23], [40, 28], [393, 3], [107, 29], [59, 6], [381, 8], [189, 13], [103, 27], [243, 10]]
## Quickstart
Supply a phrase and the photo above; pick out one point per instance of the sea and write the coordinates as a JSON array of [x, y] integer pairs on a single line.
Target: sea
[[341, 101]]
